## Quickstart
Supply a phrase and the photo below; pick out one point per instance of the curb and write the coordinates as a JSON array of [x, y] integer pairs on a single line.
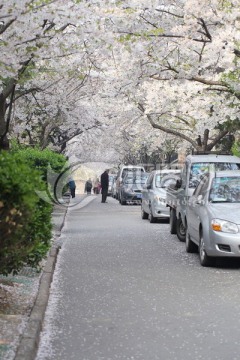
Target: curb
[[29, 342], [28, 346]]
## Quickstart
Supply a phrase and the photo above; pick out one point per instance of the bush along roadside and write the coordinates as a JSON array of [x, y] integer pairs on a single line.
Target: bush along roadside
[[25, 219]]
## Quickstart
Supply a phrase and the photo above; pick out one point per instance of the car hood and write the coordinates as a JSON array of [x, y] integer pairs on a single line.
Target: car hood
[[160, 192], [226, 211]]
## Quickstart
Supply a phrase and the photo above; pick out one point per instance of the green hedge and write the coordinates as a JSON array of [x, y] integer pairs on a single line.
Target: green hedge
[[41, 160], [25, 219], [236, 148]]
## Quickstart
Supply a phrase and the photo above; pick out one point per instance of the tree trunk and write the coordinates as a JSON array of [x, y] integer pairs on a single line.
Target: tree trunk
[[4, 143]]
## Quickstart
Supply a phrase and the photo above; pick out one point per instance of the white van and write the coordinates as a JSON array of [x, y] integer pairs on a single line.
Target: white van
[[124, 169]]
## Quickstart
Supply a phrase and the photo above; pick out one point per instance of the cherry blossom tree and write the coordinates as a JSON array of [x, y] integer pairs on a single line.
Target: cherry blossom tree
[[39, 38], [185, 58], [127, 66], [178, 67]]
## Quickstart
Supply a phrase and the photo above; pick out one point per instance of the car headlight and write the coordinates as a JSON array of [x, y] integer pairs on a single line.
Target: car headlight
[[224, 226], [160, 199]]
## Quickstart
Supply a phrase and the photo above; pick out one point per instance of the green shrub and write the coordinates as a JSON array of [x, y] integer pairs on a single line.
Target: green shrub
[[51, 166], [25, 220], [236, 148], [42, 160]]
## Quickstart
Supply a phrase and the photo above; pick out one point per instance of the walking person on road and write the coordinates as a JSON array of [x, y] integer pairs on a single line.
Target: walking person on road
[[104, 185], [72, 187], [88, 187]]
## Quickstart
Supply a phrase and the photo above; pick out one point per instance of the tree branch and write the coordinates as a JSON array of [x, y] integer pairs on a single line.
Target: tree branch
[[4, 27], [165, 129], [170, 13], [217, 139]]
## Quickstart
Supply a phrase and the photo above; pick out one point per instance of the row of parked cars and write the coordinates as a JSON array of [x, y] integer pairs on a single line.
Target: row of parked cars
[[133, 184], [205, 206], [202, 202]]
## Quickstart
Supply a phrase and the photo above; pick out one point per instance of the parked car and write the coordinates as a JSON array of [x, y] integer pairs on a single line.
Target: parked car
[[111, 180], [194, 168], [213, 217], [114, 188], [124, 169], [154, 194], [131, 188]]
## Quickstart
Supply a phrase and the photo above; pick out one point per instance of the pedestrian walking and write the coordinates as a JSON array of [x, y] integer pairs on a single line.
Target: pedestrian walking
[[88, 187], [104, 185], [72, 187], [96, 189]]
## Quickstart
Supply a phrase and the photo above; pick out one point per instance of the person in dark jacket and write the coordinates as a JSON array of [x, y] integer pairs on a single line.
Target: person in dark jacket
[[104, 185], [88, 187], [72, 187]]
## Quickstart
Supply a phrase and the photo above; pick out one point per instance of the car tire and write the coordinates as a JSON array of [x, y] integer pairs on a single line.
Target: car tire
[[122, 202], [191, 247], [152, 219], [173, 221], [181, 231], [205, 260], [144, 215]]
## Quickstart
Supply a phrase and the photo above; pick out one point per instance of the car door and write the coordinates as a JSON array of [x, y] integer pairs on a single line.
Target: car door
[[194, 207], [146, 194]]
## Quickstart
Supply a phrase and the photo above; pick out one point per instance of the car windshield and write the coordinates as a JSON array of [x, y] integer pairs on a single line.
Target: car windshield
[[225, 189], [131, 170], [199, 169], [111, 178], [135, 180], [164, 181]]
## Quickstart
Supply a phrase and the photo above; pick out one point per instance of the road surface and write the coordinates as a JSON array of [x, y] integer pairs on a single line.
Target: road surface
[[126, 289]]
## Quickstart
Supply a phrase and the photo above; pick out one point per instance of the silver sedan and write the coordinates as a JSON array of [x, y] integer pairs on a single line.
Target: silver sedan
[[213, 217], [154, 194]]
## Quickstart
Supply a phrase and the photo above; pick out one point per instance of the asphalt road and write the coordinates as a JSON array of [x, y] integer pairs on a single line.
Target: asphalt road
[[126, 289]]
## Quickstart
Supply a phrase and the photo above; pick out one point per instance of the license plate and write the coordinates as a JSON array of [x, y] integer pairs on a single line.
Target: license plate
[[139, 196]]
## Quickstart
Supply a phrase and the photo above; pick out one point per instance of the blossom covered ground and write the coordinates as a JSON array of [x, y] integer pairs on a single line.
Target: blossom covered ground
[[17, 296]]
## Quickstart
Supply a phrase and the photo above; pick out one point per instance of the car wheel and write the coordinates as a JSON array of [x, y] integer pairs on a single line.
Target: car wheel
[[173, 221], [181, 231], [152, 219], [205, 260], [122, 202], [190, 246], [144, 215]]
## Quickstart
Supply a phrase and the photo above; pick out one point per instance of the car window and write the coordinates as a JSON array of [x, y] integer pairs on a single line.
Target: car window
[[225, 189], [149, 179], [202, 186], [134, 180], [200, 169], [132, 170], [164, 180], [168, 182]]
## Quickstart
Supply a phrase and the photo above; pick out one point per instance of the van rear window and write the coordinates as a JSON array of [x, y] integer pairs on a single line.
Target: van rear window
[[126, 171], [199, 169]]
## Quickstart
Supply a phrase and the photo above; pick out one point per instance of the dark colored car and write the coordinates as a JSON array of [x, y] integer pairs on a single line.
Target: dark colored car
[[131, 188]]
